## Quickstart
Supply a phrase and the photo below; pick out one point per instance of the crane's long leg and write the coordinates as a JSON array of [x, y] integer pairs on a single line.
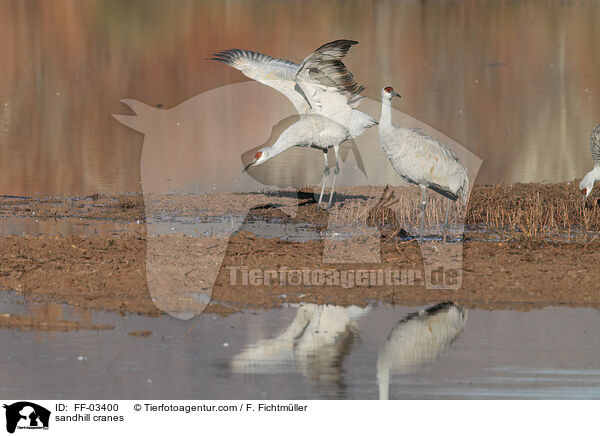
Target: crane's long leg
[[336, 149], [325, 174], [446, 220], [423, 203]]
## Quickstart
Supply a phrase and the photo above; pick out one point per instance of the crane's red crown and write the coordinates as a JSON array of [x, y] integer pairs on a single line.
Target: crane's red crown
[[258, 155], [388, 89]]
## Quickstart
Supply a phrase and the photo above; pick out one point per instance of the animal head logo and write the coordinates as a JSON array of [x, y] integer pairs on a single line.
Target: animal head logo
[[25, 414], [195, 153]]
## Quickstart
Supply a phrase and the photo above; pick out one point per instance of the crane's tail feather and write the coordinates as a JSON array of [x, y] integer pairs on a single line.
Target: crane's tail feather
[[345, 150], [359, 122]]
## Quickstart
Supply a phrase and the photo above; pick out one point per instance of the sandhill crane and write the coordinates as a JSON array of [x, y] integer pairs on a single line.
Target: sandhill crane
[[417, 340], [587, 183], [421, 160], [321, 89]]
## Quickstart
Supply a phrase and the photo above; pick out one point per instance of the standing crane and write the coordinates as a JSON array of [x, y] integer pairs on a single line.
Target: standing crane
[[323, 92], [421, 160], [587, 183]]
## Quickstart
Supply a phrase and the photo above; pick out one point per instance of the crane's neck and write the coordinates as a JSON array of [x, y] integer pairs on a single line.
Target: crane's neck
[[386, 113], [593, 175], [284, 142]]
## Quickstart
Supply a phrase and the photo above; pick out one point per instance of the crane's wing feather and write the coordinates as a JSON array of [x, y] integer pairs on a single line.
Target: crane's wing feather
[[321, 85], [423, 160], [327, 84], [595, 145], [325, 67], [276, 73]]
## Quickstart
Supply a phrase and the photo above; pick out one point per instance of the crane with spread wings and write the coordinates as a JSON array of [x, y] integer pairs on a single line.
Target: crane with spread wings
[[322, 90]]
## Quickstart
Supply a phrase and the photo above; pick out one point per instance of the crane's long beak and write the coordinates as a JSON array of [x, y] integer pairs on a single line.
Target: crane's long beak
[[249, 165], [395, 94]]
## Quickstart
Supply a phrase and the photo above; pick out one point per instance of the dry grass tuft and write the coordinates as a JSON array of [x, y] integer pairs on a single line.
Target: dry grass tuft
[[534, 211], [525, 211], [382, 215], [397, 212]]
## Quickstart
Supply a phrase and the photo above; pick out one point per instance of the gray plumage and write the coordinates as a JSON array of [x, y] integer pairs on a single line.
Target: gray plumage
[[421, 159], [595, 145], [325, 67]]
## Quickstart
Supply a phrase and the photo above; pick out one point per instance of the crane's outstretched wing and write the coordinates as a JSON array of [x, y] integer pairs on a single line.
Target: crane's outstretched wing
[[325, 68], [326, 82], [595, 145], [277, 73]]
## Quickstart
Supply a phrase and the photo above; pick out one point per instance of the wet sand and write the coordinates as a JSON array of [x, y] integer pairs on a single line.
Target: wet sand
[[44, 324], [107, 271]]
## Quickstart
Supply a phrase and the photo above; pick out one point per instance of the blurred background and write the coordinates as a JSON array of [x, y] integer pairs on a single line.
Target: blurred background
[[516, 83]]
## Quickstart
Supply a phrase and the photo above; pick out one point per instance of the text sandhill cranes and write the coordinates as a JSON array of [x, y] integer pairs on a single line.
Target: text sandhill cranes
[[587, 183], [418, 339], [421, 160], [323, 92]]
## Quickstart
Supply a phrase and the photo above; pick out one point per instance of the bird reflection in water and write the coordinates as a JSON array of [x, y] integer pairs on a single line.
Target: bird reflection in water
[[315, 344], [417, 340]]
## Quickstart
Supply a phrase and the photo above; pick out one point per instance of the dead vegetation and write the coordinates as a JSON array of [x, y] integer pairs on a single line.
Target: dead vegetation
[[534, 211], [397, 212], [384, 217], [523, 211]]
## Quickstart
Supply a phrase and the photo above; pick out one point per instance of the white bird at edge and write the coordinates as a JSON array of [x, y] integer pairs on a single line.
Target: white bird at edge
[[587, 183], [323, 92], [421, 159]]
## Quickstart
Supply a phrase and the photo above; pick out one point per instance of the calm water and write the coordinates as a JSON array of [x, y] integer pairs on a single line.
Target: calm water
[[516, 83], [308, 352]]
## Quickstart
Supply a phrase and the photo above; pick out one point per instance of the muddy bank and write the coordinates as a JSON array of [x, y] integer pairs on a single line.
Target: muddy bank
[[527, 210], [508, 258], [109, 274]]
